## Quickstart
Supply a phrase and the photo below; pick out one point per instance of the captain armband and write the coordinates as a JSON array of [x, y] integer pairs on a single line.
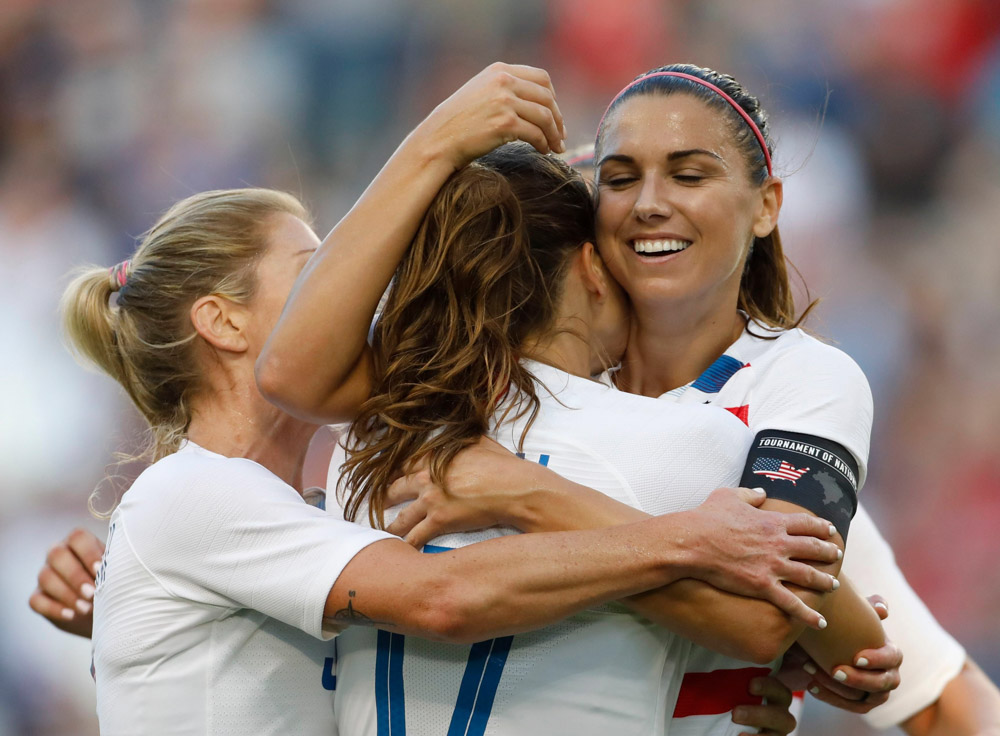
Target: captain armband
[[809, 471]]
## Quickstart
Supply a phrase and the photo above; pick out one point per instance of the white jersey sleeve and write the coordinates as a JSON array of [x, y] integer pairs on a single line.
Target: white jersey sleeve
[[932, 658], [227, 532], [812, 388]]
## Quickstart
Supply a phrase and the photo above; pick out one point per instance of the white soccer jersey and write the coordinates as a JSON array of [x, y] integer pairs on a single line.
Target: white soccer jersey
[[208, 616], [798, 384], [602, 671]]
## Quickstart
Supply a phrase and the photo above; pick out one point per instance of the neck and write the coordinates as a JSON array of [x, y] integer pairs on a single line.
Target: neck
[[567, 349], [670, 348], [241, 423]]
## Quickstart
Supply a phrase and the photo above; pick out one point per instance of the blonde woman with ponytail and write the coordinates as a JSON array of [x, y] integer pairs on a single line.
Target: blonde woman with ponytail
[[220, 586]]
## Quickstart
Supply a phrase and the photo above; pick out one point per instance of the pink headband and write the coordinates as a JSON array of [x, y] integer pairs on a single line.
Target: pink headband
[[119, 274], [709, 85]]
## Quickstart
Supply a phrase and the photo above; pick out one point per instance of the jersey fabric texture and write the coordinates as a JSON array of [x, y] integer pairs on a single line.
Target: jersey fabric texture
[[208, 616], [602, 671]]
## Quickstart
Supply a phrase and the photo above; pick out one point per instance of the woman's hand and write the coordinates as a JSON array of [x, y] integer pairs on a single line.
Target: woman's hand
[[66, 583], [772, 718], [483, 482], [503, 103], [857, 688]]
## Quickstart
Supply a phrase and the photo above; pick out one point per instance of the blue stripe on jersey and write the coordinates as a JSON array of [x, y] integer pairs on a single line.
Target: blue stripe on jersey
[[329, 678], [390, 710], [397, 709], [469, 688], [716, 375], [382, 683], [479, 687], [488, 687], [434, 549]]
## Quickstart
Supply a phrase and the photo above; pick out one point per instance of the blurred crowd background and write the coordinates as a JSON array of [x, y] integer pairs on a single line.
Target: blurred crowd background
[[887, 120]]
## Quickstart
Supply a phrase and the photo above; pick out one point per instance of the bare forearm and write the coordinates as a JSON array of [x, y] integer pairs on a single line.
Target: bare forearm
[[969, 705], [853, 626], [315, 363], [507, 585]]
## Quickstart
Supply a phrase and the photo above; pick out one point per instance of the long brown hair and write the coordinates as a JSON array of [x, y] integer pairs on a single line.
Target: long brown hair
[[209, 243], [766, 293], [482, 275]]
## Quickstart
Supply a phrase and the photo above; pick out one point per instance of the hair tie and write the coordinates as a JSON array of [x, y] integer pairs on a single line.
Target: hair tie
[[119, 274], [709, 85]]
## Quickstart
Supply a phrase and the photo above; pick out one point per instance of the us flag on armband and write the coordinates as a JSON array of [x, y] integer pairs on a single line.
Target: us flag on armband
[[776, 469]]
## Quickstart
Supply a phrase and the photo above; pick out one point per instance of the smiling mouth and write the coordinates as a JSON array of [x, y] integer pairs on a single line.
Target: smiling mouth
[[659, 247]]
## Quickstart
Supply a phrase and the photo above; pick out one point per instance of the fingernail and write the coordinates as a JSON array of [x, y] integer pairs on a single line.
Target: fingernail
[[880, 605], [739, 715], [862, 662], [87, 591], [840, 676], [814, 690], [822, 622], [97, 567], [810, 668], [840, 553], [68, 614], [833, 530], [836, 583], [755, 688], [83, 607], [758, 489]]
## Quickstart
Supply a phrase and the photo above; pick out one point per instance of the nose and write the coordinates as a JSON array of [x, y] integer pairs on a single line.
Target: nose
[[652, 201]]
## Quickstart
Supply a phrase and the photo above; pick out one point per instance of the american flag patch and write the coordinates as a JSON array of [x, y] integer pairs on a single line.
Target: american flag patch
[[776, 469]]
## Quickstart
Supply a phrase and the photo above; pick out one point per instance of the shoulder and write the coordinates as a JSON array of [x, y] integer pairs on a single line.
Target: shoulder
[[799, 363], [201, 482]]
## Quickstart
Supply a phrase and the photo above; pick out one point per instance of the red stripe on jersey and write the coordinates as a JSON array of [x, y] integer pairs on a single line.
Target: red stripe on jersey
[[741, 412], [712, 693]]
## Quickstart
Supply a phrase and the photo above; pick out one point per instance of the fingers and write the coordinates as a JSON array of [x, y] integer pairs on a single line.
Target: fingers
[[422, 533], [541, 90], [52, 609], [752, 496], [88, 549], [813, 549], [404, 488], [63, 562], [542, 119], [788, 602], [868, 681], [884, 658], [880, 605], [771, 718], [407, 518], [861, 704], [52, 587], [807, 524], [807, 576]]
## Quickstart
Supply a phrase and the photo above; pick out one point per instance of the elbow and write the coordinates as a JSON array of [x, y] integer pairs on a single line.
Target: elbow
[[453, 614], [772, 637], [271, 379]]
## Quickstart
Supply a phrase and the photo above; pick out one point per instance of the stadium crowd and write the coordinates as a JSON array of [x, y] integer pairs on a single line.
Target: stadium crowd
[[887, 116]]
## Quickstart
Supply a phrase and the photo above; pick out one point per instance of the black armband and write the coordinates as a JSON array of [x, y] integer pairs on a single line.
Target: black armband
[[809, 471]]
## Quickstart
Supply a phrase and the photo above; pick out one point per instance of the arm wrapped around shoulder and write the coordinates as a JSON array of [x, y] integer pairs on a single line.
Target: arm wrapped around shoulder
[[812, 472]]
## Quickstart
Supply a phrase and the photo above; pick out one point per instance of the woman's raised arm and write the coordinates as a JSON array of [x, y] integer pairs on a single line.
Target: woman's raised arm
[[316, 364]]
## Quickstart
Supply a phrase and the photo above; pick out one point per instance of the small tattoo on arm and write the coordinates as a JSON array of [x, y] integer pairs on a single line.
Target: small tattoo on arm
[[354, 617]]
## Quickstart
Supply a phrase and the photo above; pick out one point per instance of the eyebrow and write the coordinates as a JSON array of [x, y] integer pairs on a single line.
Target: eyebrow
[[671, 157]]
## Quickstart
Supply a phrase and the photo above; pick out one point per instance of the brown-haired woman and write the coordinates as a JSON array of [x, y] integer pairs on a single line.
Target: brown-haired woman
[[442, 367], [215, 565]]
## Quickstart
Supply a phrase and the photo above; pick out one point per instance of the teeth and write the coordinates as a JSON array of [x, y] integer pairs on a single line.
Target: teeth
[[659, 246]]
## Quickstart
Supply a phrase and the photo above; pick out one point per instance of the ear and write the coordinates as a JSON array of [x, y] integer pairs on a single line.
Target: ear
[[767, 216], [592, 271], [222, 323]]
